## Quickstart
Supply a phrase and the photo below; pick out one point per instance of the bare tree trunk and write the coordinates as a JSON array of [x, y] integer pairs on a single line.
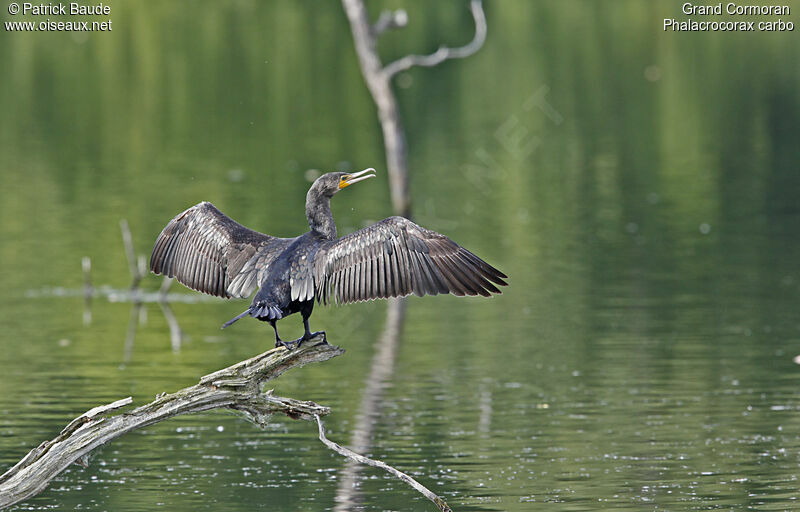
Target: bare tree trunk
[[379, 84], [378, 79]]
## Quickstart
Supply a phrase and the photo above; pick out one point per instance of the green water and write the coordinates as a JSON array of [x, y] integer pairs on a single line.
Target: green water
[[640, 188]]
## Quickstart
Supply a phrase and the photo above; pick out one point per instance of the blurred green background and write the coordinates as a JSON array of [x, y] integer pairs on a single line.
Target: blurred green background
[[639, 187]]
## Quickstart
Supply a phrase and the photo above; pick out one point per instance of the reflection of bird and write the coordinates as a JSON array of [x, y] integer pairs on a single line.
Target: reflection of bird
[[209, 252]]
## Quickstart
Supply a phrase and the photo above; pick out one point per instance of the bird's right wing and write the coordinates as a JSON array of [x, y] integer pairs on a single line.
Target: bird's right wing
[[211, 253], [396, 257]]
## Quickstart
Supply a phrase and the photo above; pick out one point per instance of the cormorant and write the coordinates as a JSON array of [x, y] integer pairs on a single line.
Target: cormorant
[[211, 253]]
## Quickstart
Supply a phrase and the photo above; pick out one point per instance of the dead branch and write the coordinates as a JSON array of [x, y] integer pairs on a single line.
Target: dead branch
[[237, 387], [445, 53], [134, 265], [378, 79], [390, 20], [379, 85], [439, 502]]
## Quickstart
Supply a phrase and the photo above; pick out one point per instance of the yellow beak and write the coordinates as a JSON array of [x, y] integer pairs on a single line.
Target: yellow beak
[[349, 179]]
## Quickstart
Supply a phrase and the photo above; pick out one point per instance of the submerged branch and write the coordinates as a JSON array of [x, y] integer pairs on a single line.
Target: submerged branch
[[237, 387], [341, 450]]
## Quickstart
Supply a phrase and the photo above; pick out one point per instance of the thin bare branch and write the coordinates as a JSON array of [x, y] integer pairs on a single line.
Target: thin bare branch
[[390, 20], [445, 53], [350, 454], [133, 265]]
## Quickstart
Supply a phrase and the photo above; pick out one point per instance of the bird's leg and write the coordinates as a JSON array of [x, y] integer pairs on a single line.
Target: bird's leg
[[278, 341], [306, 336]]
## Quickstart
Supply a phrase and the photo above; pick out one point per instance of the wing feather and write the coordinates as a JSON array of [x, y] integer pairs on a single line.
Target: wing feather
[[211, 253], [381, 275], [373, 275], [405, 271], [422, 280], [396, 257], [349, 275]]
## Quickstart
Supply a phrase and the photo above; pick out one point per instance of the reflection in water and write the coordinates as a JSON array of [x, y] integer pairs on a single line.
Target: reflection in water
[[379, 81], [88, 290], [139, 317], [134, 295], [381, 371], [136, 318], [175, 333], [485, 418], [641, 358]]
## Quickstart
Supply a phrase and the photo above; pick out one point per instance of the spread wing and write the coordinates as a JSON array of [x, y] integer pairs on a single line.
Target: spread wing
[[211, 253], [396, 257]]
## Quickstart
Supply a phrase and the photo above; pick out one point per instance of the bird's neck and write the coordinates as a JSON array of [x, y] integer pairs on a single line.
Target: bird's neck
[[320, 218]]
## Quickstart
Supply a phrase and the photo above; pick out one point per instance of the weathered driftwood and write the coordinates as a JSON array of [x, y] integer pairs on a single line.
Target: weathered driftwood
[[237, 387]]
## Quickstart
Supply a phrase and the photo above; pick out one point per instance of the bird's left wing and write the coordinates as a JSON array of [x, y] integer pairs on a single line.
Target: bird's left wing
[[209, 252], [394, 258]]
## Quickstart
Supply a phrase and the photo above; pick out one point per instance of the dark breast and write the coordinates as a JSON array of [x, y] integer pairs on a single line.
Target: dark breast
[[290, 276]]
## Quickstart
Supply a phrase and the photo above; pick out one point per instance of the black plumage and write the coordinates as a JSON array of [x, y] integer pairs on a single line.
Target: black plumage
[[209, 252]]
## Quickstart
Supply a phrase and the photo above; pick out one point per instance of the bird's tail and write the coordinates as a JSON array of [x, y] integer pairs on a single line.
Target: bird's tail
[[265, 311], [261, 311], [237, 317]]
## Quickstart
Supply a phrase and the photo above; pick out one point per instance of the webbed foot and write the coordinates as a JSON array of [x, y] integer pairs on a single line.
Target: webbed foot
[[291, 345], [320, 333], [288, 344]]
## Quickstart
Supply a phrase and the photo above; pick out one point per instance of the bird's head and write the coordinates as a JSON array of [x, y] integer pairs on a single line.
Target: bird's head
[[332, 182]]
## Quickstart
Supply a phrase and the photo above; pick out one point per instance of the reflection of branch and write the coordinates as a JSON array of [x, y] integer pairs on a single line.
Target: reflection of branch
[[88, 290], [439, 502], [444, 53], [130, 335], [175, 333], [237, 387], [138, 269], [381, 370]]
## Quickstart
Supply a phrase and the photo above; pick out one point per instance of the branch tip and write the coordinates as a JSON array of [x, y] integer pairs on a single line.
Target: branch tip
[[445, 53], [346, 452], [390, 20]]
